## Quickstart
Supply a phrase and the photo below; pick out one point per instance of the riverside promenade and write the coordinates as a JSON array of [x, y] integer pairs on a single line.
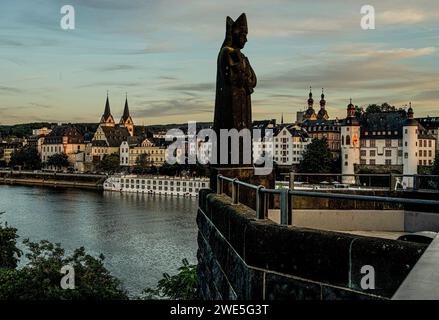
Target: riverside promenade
[[52, 179]]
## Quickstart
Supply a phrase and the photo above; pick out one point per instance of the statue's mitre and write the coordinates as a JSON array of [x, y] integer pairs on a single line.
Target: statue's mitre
[[240, 25]]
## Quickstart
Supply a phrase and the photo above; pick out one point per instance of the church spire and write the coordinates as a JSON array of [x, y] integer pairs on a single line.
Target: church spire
[[107, 111], [310, 99], [126, 120], [126, 111], [107, 118]]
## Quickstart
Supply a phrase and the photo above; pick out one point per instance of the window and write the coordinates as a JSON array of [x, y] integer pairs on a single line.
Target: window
[[388, 153], [372, 143], [388, 143], [348, 140], [399, 153], [372, 161], [363, 153], [372, 153], [429, 143], [388, 161]]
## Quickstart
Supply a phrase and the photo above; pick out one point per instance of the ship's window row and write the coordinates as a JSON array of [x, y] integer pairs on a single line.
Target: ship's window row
[[160, 183]]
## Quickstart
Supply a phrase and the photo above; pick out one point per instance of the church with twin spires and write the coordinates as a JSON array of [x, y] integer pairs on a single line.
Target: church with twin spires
[[109, 135], [126, 121]]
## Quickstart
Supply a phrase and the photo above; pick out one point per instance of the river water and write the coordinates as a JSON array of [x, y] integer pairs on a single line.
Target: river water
[[141, 236]]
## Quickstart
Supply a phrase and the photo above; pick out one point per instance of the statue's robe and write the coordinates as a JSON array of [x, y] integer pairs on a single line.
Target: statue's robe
[[234, 85]]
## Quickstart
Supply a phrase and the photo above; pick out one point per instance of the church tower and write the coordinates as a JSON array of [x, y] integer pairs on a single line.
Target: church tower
[[410, 148], [350, 144], [310, 114], [126, 120], [107, 119], [323, 114]]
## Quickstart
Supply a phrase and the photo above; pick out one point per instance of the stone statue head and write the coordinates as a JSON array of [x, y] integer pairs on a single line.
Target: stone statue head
[[236, 32]]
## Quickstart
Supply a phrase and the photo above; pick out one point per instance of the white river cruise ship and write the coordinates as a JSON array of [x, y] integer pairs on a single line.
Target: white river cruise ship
[[160, 185]]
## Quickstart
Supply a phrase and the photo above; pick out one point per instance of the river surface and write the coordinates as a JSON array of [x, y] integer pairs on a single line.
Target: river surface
[[141, 236]]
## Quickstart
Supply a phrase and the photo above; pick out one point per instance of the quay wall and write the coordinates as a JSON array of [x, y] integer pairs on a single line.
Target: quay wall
[[93, 182], [240, 257]]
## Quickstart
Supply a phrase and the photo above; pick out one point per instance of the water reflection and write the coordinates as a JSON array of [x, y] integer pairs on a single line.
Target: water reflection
[[142, 236]]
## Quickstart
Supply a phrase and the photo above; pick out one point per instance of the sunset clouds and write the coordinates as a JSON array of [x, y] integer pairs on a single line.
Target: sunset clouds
[[163, 53]]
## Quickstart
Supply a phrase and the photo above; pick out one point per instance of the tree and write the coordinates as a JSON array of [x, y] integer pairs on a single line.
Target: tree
[[27, 157], [171, 169], [9, 253], [143, 163], [182, 286], [317, 158], [58, 160], [110, 163], [40, 278], [385, 107]]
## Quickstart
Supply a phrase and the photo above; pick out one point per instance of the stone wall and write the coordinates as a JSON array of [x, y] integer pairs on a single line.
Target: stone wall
[[240, 257]]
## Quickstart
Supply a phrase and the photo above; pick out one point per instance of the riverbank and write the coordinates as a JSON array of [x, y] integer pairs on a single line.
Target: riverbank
[[140, 235], [52, 179], [51, 183]]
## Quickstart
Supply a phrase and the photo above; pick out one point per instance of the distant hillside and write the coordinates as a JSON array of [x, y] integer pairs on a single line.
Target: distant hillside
[[21, 130], [25, 129]]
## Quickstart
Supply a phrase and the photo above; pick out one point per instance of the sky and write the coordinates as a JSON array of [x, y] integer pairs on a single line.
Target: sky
[[163, 55]]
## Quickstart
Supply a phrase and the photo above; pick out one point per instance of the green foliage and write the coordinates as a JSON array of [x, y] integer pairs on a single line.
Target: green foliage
[[317, 158], [27, 157], [22, 130], [40, 279], [9, 253], [110, 163], [385, 107], [58, 160], [182, 286], [25, 129], [143, 164], [143, 161], [171, 169]]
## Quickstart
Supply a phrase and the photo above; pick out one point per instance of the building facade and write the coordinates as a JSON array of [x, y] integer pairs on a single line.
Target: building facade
[[66, 139], [153, 153], [387, 138]]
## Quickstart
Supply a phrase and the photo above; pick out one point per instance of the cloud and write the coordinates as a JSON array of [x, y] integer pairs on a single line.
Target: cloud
[[118, 67], [428, 95], [206, 86], [10, 90], [357, 68], [401, 16], [174, 107]]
